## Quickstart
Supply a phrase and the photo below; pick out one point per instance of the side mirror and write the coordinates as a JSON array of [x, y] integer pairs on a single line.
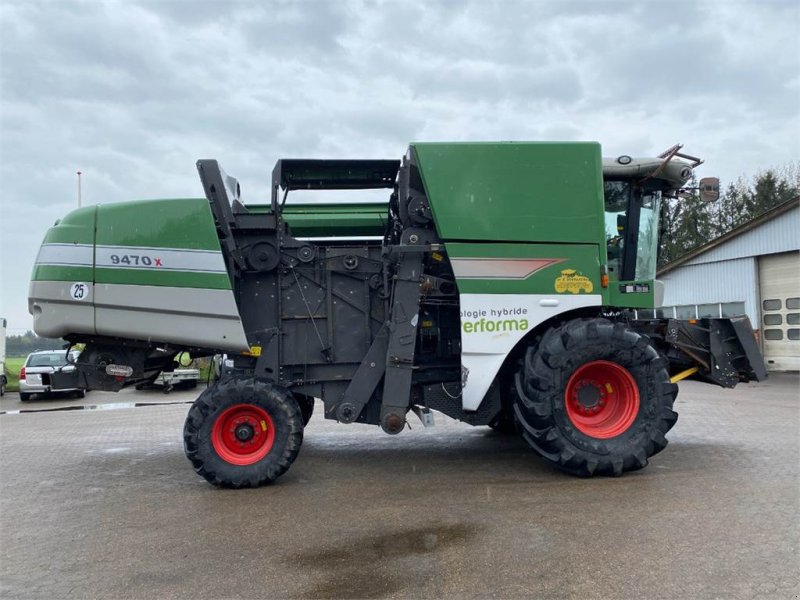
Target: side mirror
[[709, 189]]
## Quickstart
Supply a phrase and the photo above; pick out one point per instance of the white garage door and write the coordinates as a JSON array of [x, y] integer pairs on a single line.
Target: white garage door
[[779, 278]]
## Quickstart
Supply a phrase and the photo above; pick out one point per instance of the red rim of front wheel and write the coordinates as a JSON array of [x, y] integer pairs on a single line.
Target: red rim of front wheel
[[602, 399], [243, 434]]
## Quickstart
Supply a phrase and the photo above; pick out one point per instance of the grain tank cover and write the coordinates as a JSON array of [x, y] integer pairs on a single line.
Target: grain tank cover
[[514, 191]]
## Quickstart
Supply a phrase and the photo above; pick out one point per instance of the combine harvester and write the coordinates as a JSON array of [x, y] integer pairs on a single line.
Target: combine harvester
[[496, 285]]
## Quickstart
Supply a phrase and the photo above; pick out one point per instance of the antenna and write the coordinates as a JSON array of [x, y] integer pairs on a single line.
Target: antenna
[[79, 189]]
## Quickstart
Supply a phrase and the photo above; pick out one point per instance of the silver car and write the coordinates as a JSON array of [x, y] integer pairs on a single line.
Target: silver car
[[34, 377]]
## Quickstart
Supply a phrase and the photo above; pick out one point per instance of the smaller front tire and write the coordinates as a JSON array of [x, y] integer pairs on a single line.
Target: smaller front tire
[[243, 433]]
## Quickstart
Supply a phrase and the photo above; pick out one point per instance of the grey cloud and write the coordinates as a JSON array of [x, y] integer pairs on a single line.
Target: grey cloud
[[196, 13]]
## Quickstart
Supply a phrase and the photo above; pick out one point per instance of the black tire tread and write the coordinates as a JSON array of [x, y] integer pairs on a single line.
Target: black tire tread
[[540, 386], [283, 410]]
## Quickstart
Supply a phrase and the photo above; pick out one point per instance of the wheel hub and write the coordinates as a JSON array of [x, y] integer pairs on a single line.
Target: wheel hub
[[589, 395], [243, 434], [602, 399]]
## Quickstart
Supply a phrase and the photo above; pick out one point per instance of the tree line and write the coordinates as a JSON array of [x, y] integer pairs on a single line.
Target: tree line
[[688, 222], [22, 345]]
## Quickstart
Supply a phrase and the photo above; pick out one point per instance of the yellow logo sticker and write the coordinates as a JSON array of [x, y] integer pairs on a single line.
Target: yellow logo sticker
[[573, 282]]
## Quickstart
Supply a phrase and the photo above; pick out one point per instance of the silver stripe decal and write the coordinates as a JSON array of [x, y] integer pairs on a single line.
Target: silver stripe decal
[[500, 268], [80, 255], [132, 257]]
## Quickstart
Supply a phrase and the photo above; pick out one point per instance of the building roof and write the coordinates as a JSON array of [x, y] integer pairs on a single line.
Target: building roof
[[733, 233]]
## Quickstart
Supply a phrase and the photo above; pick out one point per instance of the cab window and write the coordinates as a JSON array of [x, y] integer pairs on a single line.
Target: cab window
[[617, 194]]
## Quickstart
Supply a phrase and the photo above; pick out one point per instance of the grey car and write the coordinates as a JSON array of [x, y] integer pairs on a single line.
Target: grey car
[[34, 377]]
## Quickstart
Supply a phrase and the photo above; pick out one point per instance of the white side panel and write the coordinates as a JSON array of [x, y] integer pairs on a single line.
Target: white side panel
[[66, 255], [187, 316], [190, 316], [492, 324], [56, 313], [161, 259], [136, 258]]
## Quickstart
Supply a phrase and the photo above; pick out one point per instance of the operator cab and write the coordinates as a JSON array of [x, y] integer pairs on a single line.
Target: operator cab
[[634, 189]]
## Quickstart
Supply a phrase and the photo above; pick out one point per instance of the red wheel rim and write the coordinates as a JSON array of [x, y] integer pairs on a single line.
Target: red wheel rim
[[243, 434], [602, 399]]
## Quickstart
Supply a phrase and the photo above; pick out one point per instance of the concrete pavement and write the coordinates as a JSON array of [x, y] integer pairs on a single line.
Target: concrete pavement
[[102, 503]]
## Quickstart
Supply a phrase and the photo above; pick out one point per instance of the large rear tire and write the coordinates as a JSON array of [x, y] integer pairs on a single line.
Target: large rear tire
[[243, 433], [594, 398]]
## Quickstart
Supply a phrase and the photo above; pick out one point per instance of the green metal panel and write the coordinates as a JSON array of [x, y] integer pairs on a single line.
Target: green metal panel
[[332, 219], [628, 299], [181, 224], [212, 281], [178, 223], [76, 228], [62, 273], [515, 191], [557, 269], [157, 227]]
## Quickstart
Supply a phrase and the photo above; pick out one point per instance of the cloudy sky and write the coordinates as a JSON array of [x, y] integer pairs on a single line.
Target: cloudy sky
[[133, 93]]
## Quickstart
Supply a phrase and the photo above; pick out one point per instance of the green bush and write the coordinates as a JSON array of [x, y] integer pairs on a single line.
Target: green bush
[[13, 365]]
